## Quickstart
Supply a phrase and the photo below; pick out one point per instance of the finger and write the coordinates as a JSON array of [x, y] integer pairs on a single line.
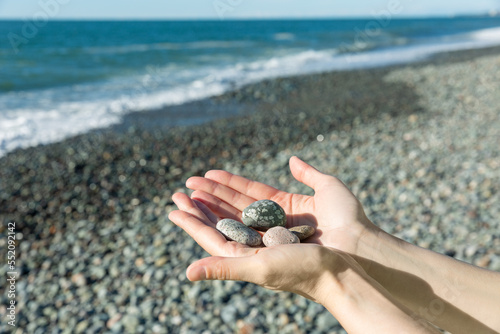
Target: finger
[[206, 236], [210, 215], [253, 189], [236, 198], [216, 205], [185, 203], [246, 268], [307, 174]]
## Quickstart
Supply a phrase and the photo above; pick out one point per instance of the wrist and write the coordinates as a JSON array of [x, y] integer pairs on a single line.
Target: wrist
[[343, 276], [370, 237], [354, 295]]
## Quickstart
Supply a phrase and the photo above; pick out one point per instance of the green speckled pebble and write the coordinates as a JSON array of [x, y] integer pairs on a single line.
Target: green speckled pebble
[[234, 230], [263, 215], [279, 236], [303, 231]]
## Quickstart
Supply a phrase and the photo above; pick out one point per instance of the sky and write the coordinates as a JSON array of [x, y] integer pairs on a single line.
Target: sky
[[234, 9]]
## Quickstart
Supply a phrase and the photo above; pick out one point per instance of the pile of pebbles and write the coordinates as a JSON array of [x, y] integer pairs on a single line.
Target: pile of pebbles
[[264, 215], [96, 253]]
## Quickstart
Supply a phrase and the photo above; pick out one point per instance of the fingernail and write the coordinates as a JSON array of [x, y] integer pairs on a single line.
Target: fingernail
[[197, 273]]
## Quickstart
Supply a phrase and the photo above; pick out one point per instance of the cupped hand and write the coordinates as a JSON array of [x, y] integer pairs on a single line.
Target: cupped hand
[[334, 211], [304, 269]]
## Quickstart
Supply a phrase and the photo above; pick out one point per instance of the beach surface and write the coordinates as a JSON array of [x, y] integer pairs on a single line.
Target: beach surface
[[417, 144]]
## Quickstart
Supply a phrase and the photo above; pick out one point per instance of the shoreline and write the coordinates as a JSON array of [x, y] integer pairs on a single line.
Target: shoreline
[[418, 144], [338, 99], [150, 119], [155, 118]]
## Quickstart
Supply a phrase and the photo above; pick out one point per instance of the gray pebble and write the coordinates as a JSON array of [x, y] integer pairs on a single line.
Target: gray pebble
[[326, 322], [228, 314], [264, 214], [279, 236], [303, 231], [234, 230]]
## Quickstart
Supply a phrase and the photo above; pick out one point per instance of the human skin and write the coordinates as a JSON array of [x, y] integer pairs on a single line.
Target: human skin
[[451, 294], [327, 276]]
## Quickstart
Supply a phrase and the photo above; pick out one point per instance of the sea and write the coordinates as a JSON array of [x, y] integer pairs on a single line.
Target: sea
[[63, 78]]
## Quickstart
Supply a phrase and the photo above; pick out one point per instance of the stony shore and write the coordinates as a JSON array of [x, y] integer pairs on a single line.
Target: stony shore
[[417, 144]]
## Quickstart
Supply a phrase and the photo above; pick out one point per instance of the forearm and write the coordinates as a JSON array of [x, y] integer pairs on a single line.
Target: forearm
[[363, 306], [452, 294]]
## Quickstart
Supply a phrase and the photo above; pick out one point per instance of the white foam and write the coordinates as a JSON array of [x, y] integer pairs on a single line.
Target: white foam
[[57, 119], [488, 35]]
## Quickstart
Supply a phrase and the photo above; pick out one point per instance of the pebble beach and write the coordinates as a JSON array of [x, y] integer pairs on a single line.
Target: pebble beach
[[417, 144]]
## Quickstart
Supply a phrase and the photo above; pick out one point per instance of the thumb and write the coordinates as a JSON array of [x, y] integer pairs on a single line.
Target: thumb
[[224, 268], [306, 173]]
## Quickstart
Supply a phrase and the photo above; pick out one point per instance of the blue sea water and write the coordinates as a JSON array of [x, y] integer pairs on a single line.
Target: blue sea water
[[67, 77]]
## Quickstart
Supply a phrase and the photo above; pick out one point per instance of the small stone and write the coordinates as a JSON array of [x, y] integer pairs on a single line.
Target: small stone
[[176, 320], [234, 230], [130, 322], [161, 261], [325, 321], [283, 319], [114, 271], [159, 275], [81, 327], [228, 314], [264, 214], [244, 328], [139, 262], [79, 279], [483, 261], [303, 231], [113, 320], [279, 236], [450, 252]]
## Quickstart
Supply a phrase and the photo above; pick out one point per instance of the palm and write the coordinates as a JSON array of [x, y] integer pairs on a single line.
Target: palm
[[333, 210]]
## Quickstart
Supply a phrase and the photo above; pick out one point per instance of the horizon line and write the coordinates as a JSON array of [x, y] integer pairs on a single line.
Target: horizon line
[[253, 18]]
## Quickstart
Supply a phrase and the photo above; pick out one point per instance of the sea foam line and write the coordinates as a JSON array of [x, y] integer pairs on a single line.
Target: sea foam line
[[54, 120]]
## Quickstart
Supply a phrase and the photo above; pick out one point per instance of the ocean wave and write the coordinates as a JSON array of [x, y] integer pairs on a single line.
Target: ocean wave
[[44, 115], [121, 49], [490, 35], [57, 119], [284, 36]]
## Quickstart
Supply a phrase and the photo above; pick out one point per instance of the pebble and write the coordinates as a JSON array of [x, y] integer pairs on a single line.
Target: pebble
[[130, 322], [325, 321], [264, 214], [279, 236], [79, 279], [234, 230], [228, 314], [113, 320], [303, 231], [161, 261]]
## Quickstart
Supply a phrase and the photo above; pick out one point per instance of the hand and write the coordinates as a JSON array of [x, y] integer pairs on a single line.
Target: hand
[[333, 210], [275, 268]]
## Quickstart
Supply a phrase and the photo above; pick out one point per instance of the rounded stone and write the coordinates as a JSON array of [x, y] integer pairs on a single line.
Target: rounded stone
[[303, 231], [279, 236], [263, 215], [239, 232]]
